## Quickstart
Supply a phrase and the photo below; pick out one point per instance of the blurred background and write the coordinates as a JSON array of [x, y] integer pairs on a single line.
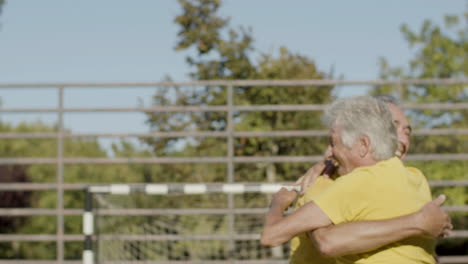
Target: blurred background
[[207, 91]]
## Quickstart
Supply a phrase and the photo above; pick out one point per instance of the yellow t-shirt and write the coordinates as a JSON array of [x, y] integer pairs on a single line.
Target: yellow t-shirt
[[302, 249], [382, 191]]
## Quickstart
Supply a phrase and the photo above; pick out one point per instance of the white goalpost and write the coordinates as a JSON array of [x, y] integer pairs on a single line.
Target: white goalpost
[[123, 224]]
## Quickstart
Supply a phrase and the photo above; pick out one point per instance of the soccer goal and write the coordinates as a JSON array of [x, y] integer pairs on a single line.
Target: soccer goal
[[178, 223]]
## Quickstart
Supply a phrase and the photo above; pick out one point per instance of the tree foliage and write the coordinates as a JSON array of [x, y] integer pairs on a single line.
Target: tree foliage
[[226, 53], [2, 2], [440, 52], [85, 173]]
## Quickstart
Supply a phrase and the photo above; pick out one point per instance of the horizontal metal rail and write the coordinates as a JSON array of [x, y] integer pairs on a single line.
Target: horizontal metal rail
[[447, 183], [453, 259], [455, 208], [239, 159], [168, 160], [133, 212], [225, 237], [267, 261], [25, 261], [132, 237], [120, 109], [129, 237], [278, 83], [119, 135], [39, 238], [14, 212], [436, 106], [437, 157], [238, 134], [220, 108], [149, 262], [442, 260], [440, 131], [17, 186], [11, 212]]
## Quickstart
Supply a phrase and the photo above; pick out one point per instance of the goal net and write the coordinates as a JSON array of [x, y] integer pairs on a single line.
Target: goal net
[[132, 225]]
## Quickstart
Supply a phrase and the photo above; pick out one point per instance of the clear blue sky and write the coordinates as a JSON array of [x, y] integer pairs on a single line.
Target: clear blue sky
[[120, 40], [133, 41]]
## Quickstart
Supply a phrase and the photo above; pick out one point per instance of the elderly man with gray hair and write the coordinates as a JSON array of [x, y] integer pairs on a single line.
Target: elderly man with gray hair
[[375, 185]]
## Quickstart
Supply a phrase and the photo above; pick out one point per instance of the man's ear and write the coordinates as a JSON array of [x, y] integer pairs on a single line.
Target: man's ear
[[364, 146]]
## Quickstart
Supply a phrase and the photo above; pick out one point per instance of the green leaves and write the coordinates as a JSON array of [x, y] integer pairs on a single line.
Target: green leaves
[[199, 25], [1, 4], [225, 52], [222, 53]]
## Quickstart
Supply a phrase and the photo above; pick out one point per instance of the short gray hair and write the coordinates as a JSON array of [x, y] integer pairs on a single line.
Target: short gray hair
[[364, 116], [386, 98]]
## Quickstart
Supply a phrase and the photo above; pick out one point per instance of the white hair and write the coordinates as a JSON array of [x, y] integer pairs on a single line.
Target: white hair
[[364, 116], [389, 99]]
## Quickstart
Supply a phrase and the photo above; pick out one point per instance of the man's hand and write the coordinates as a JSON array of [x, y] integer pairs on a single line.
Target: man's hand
[[283, 198], [434, 221], [310, 176]]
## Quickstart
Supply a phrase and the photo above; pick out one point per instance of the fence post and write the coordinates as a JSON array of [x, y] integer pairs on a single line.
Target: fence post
[[230, 169], [60, 205]]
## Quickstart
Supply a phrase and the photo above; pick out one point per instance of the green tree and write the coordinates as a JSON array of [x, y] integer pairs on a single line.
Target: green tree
[[1, 4], [440, 52], [82, 173], [221, 52]]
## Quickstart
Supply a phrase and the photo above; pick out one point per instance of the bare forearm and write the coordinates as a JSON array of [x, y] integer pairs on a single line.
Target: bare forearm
[[279, 229], [272, 234], [355, 237]]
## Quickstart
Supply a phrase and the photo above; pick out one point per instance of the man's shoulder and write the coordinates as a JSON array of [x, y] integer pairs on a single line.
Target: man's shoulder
[[354, 179], [323, 182], [360, 173], [417, 178], [373, 174], [376, 174], [317, 188], [384, 167], [415, 171]]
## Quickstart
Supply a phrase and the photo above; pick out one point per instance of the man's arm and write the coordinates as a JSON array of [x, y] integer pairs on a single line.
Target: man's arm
[[279, 229], [362, 236]]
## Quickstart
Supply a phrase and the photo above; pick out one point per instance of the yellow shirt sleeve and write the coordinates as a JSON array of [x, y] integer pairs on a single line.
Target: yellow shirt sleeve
[[318, 187], [343, 200]]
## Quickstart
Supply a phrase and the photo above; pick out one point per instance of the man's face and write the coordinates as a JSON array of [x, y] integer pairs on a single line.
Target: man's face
[[403, 130], [347, 157]]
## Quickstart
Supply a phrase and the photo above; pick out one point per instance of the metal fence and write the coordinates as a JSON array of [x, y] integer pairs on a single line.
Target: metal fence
[[60, 161]]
